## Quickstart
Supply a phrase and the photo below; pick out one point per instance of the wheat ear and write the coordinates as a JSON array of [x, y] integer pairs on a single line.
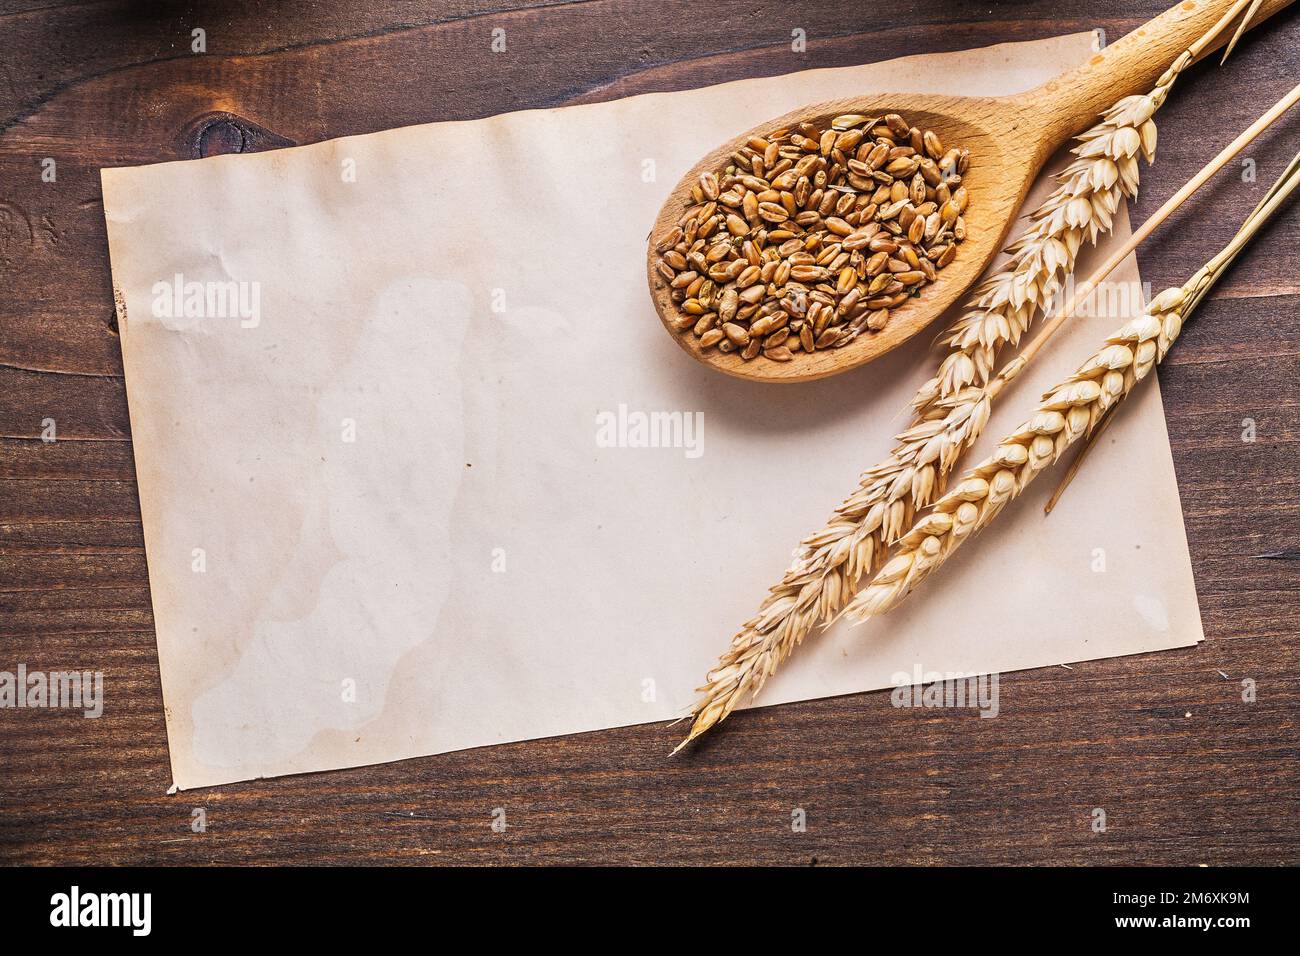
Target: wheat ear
[[1067, 413]]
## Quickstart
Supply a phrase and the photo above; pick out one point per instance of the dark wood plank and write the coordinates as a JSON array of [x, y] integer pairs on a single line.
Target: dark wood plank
[[1187, 771]]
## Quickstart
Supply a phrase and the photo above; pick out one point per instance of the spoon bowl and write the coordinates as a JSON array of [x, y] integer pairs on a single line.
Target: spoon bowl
[[958, 121], [1009, 139]]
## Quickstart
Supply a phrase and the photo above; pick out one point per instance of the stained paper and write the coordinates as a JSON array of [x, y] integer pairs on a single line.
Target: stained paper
[[391, 398]]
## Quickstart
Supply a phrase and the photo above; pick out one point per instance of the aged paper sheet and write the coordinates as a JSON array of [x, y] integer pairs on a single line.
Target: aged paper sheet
[[392, 496]]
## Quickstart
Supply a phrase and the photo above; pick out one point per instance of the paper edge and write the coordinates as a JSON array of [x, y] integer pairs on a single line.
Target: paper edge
[[1097, 35], [198, 781]]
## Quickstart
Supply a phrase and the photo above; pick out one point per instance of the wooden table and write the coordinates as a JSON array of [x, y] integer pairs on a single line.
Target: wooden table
[[1186, 771]]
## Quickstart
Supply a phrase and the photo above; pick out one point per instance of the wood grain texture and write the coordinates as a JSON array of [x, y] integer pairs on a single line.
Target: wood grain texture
[[1186, 771]]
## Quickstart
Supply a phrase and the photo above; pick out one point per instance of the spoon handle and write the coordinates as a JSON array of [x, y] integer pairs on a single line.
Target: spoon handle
[[1062, 106]]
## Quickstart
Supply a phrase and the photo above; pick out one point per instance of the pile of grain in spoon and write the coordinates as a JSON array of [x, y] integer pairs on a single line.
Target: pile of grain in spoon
[[811, 236]]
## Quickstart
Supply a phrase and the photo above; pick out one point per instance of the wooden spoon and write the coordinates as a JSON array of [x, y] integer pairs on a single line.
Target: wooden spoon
[[1009, 139]]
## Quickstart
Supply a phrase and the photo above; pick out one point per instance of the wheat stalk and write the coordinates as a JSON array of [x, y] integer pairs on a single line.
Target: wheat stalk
[[950, 411], [1067, 412]]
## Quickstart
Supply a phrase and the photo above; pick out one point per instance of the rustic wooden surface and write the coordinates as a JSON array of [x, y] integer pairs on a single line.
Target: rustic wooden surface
[[1186, 771]]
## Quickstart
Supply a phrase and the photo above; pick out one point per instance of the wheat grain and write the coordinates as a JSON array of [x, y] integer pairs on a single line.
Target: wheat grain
[[826, 229]]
